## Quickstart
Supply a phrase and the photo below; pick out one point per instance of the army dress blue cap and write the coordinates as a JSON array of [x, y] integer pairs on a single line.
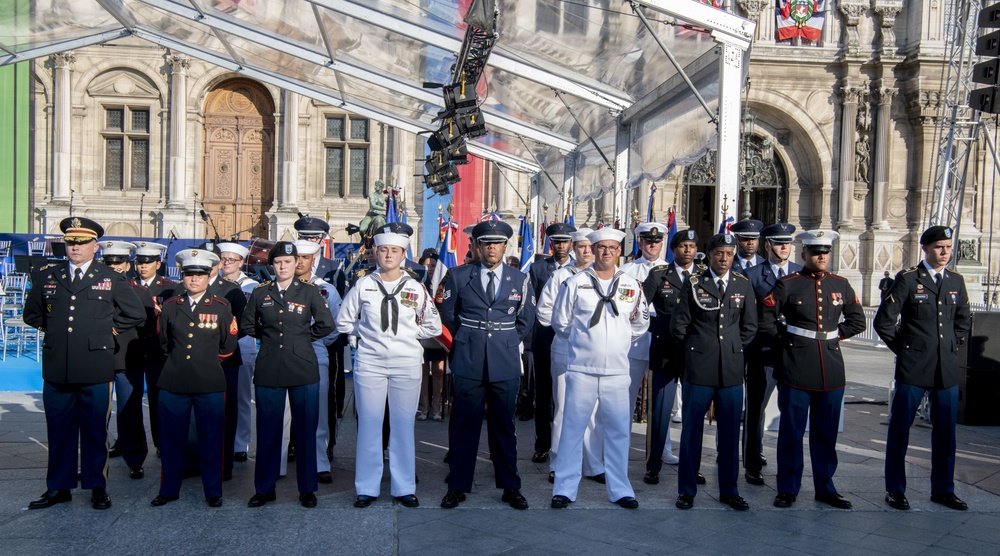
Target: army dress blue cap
[[398, 228], [682, 236], [196, 261], [282, 249], [747, 228], [492, 231], [936, 233], [210, 246], [818, 241], [79, 229], [780, 232], [651, 231], [560, 231], [720, 240], [309, 226]]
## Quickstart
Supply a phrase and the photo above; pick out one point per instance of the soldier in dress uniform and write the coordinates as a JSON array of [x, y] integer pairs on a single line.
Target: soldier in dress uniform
[[389, 312], [934, 316], [747, 234], [315, 230], [197, 331], [81, 307], [129, 363], [559, 235], [148, 260], [714, 321], [489, 309], [820, 309], [760, 361], [286, 315], [593, 464], [231, 259], [662, 288], [600, 311]]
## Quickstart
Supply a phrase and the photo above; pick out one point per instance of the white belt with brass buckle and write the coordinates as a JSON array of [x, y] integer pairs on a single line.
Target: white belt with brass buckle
[[812, 334]]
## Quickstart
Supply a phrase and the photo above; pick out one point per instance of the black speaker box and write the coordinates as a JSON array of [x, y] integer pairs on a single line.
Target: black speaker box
[[979, 373]]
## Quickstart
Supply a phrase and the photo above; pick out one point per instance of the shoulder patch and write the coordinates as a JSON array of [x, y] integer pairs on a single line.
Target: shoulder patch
[[769, 301]]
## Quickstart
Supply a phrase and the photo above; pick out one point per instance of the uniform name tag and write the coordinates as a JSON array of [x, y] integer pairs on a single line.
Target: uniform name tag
[[920, 296]]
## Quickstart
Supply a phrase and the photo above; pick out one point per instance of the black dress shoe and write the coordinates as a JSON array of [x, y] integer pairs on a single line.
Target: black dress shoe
[[763, 462], [526, 417], [408, 501], [240, 457], [754, 478], [627, 502], [50, 498], [513, 497], [162, 500], [950, 500], [835, 500], [735, 502], [897, 500], [329, 454], [136, 472], [115, 451], [452, 498], [99, 499], [540, 456], [699, 478], [363, 501], [258, 500], [447, 456], [307, 499], [324, 477], [684, 502], [552, 477], [214, 502], [599, 478], [784, 500], [651, 478], [291, 454], [227, 475], [559, 502]]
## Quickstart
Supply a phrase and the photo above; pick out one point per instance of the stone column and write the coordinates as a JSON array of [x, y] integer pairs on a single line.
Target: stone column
[[884, 96], [176, 187], [852, 11], [887, 10], [289, 198], [849, 96], [61, 127], [765, 24]]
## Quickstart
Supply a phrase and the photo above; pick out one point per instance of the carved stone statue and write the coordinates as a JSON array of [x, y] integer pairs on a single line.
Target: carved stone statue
[[862, 157], [967, 250], [375, 217]]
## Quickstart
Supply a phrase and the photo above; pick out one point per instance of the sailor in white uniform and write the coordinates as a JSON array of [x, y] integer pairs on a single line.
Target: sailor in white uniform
[[389, 312], [600, 311]]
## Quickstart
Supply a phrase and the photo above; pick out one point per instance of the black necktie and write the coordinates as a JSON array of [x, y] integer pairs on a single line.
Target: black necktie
[[389, 300], [77, 275], [609, 299], [781, 272], [687, 274], [722, 286], [937, 279], [491, 289]]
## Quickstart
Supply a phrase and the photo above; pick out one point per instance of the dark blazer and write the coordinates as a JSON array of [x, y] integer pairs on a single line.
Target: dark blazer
[[161, 289], [196, 341], [538, 274], [286, 329], [932, 319], [740, 269], [78, 319], [463, 297], [763, 279], [130, 345], [662, 288], [808, 300], [714, 328]]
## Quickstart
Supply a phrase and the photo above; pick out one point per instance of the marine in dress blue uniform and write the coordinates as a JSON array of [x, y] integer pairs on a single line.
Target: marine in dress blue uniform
[[75, 305], [286, 315], [931, 305], [715, 319], [486, 362], [760, 362], [148, 260], [820, 309], [542, 336], [197, 331], [747, 233], [662, 288]]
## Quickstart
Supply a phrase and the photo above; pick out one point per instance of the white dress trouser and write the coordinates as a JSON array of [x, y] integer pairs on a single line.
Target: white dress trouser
[[371, 389], [610, 393], [593, 450], [244, 393]]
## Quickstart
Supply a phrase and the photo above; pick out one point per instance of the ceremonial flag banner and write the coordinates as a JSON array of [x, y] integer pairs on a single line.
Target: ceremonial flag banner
[[446, 259], [391, 212], [724, 227], [527, 244], [801, 18], [671, 232]]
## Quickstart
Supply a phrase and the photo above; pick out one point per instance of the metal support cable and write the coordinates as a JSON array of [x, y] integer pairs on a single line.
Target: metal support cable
[[540, 166], [584, 131]]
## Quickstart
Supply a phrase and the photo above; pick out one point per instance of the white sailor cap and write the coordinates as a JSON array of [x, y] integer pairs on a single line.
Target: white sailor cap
[[306, 247], [196, 260], [234, 248], [606, 234], [398, 240], [149, 251], [118, 248], [581, 234], [818, 241]]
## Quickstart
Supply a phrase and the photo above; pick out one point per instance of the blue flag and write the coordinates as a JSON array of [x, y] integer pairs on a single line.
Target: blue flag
[[527, 244]]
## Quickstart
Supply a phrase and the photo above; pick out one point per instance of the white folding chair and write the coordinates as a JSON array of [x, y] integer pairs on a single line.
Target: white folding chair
[[37, 248]]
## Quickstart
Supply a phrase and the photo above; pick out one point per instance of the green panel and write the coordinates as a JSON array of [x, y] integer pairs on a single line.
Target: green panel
[[15, 132]]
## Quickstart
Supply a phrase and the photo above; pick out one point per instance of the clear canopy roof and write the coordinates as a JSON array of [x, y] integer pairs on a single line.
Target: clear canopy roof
[[561, 71]]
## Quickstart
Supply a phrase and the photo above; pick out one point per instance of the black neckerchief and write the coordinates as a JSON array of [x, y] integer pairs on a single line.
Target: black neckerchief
[[389, 299], [609, 298]]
